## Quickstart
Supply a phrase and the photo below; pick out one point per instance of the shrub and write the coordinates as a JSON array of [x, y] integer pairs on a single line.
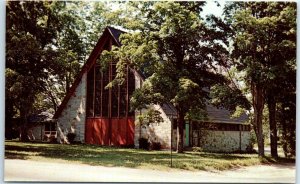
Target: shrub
[[71, 137], [144, 143], [155, 146], [250, 149]]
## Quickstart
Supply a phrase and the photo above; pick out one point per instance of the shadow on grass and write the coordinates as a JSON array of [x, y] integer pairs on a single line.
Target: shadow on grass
[[12, 155], [123, 157], [89, 154], [280, 161], [222, 156]]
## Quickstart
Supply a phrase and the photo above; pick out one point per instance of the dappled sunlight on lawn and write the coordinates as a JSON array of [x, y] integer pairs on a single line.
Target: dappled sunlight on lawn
[[123, 157]]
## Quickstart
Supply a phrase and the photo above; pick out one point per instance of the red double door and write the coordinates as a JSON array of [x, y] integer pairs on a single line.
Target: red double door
[[113, 131]]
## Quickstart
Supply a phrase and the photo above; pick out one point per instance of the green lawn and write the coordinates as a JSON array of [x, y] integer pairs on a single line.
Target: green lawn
[[123, 157]]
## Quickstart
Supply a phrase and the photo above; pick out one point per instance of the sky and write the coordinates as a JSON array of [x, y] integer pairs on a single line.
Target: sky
[[212, 8]]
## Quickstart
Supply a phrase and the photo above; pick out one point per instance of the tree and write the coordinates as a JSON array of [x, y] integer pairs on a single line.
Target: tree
[[286, 115], [31, 28], [82, 24], [47, 43], [177, 52], [282, 56], [263, 46]]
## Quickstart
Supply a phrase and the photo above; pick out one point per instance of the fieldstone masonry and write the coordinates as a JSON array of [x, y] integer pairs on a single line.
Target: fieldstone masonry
[[72, 118], [155, 132], [38, 132], [225, 141]]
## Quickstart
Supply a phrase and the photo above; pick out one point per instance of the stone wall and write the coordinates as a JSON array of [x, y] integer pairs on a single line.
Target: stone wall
[[72, 118], [225, 141], [38, 131], [155, 132]]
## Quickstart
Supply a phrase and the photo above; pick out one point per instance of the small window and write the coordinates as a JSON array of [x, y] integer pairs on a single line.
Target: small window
[[50, 127], [47, 127]]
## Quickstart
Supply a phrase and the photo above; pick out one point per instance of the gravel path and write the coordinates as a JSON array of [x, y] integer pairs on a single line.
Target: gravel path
[[28, 170]]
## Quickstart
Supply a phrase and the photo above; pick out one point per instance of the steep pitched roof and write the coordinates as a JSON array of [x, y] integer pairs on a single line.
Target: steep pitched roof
[[215, 114], [115, 34], [169, 109], [108, 33], [222, 115], [40, 118]]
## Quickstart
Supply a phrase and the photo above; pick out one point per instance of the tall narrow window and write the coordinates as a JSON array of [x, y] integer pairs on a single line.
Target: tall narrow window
[[123, 92], [99, 97], [131, 88], [105, 92], [97, 104], [90, 93], [114, 93]]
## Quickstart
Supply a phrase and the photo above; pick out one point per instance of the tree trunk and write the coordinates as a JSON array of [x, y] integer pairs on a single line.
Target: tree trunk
[[53, 100], [24, 127], [258, 106], [180, 124], [67, 83], [284, 133], [273, 127]]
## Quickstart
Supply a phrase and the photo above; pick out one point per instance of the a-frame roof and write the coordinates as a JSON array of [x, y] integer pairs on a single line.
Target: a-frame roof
[[109, 34], [215, 114]]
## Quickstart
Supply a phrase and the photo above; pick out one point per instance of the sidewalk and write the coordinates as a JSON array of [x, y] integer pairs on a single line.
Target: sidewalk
[[27, 170]]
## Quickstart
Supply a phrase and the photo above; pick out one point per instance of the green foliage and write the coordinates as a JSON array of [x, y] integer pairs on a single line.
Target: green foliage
[[165, 46], [228, 97], [264, 48], [265, 38], [31, 30], [47, 43], [197, 114], [146, 95], [286, 116], [150, 116]]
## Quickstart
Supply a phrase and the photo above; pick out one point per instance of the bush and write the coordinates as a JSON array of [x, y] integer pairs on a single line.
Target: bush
[[71, 137], [250, 149], [144, 144], [155, 146]]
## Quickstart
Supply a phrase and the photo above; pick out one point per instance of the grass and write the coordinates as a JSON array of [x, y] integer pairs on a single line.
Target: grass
[[125, 157]]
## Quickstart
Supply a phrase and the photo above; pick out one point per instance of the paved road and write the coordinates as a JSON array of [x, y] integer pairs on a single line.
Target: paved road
[[28, 170]]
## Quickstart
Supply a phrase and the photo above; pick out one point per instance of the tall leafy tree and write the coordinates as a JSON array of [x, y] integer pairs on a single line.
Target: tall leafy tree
[[70, 47], [282, 61], [177, 52], [47, 43], [31, 28], [286, 116], [264, 48]]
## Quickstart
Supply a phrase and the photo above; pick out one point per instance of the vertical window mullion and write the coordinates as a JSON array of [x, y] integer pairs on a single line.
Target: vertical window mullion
[[127, 95], [110, 90], [118, 101], [101, 95], [94, 83]]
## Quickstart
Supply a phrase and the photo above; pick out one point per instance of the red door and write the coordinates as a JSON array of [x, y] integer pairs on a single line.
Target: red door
[[114, 131]]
